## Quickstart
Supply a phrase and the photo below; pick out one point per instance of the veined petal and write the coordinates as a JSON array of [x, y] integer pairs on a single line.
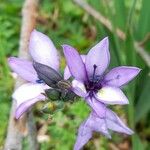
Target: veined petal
[[42, 50], [23, 68], [27, 92], [98, 107], [114, 123], [82, 139], [99, 55], [97, 124], [23, 107], [111, 95], [67, 73], [121, 75], [75, 63]]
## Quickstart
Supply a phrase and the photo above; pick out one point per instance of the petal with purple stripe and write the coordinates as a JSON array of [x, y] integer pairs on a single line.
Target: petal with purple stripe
[[67, 73], [98, 107], [98, 56], [75, 63], [120, 75]]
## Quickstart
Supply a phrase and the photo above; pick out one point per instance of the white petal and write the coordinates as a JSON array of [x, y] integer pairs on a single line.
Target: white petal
[[27, 91], [111, 95], [80, 85]]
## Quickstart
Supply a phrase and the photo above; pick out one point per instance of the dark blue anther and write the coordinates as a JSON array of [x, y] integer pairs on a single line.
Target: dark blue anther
[[39, 81]]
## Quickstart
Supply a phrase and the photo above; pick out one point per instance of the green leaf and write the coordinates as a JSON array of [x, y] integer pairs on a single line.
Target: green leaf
[[130, 54], [144, 20], [120, 13], [143, 104], [137, 144]]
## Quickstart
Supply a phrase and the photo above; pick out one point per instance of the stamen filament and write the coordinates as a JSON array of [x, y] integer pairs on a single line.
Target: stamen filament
[[93, 78]]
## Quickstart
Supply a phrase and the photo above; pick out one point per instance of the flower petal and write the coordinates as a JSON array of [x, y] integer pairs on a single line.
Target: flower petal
[[78, 92], [97, 124], [23, 68], [82, 139], [114, 123], [67, 73], [80, 85], [42, 50], [99, 55], [79, 89], [23, 107], [111, 95], [121, 75], [75, 63], [98, 107], [27, 92]]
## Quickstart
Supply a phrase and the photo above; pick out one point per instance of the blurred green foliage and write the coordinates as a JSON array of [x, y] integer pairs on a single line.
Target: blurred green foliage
[[66, 22]]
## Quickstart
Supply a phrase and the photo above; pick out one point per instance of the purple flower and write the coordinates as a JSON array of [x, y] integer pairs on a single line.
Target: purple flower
[[42, 50], [102, 125], [91, 80], [98, 88]]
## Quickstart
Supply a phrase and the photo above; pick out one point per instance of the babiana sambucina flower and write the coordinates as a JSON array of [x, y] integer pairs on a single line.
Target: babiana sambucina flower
[[99, 88]]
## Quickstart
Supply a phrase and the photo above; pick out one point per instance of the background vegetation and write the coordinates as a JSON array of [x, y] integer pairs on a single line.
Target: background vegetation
[[66, 22]]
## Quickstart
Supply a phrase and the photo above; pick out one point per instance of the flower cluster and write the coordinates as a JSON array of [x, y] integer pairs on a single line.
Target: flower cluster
[[91, 80]]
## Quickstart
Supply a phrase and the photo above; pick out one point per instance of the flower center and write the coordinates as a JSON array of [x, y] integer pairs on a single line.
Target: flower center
[[94, 82]]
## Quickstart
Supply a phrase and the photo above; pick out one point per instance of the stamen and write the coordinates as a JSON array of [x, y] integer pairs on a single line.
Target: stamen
[[93, 78], [39, 81]]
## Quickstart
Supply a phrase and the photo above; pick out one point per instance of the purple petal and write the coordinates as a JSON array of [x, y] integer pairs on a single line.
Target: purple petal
[[114, 123], [75, 63], [23, 107], [98, 124], [99, 55], [43, 50], [111, 95], [79, 92], [67, 73], [82, 139], [98, 107], [121, 75], [23, 68]]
